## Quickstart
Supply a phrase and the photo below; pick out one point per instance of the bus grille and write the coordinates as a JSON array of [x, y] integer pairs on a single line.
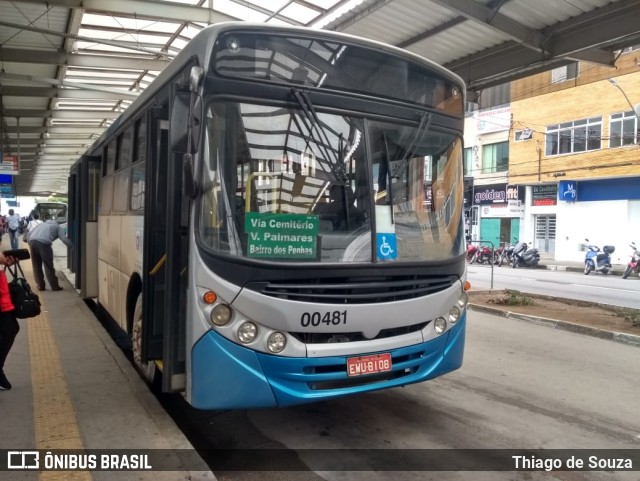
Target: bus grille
[[328, 338], [354, 290], [403, 366]]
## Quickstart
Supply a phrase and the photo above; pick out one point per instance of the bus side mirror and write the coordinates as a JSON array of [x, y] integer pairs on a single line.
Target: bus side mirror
[[178, 128], [184, 120]]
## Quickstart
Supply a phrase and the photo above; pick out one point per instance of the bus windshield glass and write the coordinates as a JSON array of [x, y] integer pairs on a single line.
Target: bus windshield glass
[[296, 184], [51, 210], [337, 66]]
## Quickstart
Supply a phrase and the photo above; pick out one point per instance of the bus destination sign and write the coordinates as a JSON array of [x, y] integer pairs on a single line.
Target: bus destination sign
[[288, 236]]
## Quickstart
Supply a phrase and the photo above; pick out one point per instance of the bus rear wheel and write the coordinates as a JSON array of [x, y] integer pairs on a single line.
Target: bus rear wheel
[[147, 370]]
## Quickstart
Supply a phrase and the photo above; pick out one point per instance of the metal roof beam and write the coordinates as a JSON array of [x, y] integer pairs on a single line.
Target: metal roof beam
[[124, 94], [490, 17], [60, 93], [142, 9], [58, 129], [44, 57], [578, 38], [62, 114]]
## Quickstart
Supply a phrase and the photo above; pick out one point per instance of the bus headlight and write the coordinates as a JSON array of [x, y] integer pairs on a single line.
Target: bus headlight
[[440, 325], [221, 314], [454, 314], [247, 332], [463, 300], [276, 342]]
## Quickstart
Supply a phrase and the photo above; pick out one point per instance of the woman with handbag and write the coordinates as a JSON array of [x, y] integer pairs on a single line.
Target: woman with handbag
[[9, 326]]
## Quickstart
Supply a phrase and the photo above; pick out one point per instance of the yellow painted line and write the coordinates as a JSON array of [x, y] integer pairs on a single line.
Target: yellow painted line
[[54, 418]]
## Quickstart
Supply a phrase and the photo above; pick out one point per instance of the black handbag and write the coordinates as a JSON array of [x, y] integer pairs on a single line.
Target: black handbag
[[24, 300]]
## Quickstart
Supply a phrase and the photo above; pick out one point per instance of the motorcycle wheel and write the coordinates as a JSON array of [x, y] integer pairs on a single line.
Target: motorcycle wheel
[[626, 272], [474, 257], [587, 268], [500, 259]]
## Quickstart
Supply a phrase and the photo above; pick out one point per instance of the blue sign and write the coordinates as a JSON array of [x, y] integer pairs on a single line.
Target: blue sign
[[568, 190], [386, 246], [6, 179]]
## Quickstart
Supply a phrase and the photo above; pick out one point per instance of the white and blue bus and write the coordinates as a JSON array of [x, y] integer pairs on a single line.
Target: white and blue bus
[[278, 219]]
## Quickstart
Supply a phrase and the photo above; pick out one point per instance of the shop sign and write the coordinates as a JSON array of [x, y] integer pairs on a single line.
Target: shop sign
[[497, 194], [9, 164], [544, 195], [567, 190]]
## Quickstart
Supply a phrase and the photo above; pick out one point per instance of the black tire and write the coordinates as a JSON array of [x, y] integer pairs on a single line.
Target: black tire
[[587, 268], [147, 370], [626, 272], [474, 257]]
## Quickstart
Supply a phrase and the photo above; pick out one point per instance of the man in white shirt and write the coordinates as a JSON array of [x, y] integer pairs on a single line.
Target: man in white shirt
[[40, 240], [13, 224]]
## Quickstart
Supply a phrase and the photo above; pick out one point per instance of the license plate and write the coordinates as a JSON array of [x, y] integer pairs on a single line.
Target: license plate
[[357, 366]]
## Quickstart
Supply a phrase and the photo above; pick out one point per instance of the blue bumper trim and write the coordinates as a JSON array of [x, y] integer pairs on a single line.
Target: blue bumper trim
[[226, 375]]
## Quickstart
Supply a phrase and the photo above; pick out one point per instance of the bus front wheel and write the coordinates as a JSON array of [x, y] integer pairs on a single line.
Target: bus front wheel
[[146, 369]]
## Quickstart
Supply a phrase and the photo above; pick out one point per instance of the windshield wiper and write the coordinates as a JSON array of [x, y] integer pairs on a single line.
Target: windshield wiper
[[314, 127], [423, 128]]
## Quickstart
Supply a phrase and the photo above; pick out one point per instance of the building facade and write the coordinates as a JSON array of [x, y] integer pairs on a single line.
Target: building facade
[[574, 148], [495, 210]]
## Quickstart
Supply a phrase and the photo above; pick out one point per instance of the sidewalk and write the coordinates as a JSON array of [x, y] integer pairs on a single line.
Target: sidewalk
[[74, 389], [571, 266]]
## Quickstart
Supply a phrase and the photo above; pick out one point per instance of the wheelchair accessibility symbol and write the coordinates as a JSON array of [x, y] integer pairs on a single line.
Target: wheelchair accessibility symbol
[[386, 246]]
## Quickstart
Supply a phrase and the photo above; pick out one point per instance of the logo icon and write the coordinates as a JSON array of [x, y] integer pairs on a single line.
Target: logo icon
[[570, 192], [23, 460], [386, 246]]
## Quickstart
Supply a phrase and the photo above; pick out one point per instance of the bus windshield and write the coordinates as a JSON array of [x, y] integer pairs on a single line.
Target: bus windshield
[[284, 184]]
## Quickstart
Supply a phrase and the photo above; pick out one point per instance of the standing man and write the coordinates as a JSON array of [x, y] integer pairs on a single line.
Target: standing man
[[13, 224], [40, 240]]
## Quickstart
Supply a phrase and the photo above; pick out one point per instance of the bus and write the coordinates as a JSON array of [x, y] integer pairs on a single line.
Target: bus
[[51, 210], [257, 220]]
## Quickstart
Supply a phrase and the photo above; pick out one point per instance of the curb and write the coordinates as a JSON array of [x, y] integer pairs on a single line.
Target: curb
[[629, 339]]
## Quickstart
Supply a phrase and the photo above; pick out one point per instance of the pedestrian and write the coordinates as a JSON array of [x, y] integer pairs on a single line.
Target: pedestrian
[[35, 220], [9, 326], [13, 224], [40, 240]]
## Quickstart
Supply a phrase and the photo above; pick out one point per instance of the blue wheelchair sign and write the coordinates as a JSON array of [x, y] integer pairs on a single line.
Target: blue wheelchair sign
[[386, 246]]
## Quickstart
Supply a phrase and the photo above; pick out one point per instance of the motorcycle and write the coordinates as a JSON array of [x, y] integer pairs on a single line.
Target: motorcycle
[[634, 263], [472, 253], [504, 253], [523, 256], [478, 253], [597, 260]]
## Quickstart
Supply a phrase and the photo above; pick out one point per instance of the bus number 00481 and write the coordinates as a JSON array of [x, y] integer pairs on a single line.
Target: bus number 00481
[[316, 318]]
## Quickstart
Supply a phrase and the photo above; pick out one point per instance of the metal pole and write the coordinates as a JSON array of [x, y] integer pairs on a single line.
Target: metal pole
[[614, 82]]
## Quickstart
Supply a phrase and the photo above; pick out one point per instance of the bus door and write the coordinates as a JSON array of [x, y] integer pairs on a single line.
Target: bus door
[[165, 258], [82, 224]]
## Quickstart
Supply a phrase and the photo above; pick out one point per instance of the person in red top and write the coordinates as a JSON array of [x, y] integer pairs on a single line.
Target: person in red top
[[9, 326]]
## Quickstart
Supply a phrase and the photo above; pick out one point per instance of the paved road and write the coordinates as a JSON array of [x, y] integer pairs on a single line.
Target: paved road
[[522, 386], [574, 285]]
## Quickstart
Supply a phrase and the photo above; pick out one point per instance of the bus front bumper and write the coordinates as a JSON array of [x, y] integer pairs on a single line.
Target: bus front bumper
[[225, 375]]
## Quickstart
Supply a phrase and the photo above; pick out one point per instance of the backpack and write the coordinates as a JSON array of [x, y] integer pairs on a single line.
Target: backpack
[[25, 301]]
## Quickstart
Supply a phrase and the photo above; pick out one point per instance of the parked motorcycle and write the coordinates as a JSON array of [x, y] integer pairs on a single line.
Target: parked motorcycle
[[634, 263], [523, 256], [472, 253], [504, 253], [478, 253], [597, 260]]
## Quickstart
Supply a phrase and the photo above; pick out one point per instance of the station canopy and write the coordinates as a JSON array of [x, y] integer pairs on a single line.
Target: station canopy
[[70, 67]]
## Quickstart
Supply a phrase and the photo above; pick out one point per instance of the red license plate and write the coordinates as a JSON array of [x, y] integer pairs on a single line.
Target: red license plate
[[357, 366]]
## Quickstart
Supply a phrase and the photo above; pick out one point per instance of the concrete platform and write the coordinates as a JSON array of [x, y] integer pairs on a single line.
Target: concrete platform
[[73, 388]]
